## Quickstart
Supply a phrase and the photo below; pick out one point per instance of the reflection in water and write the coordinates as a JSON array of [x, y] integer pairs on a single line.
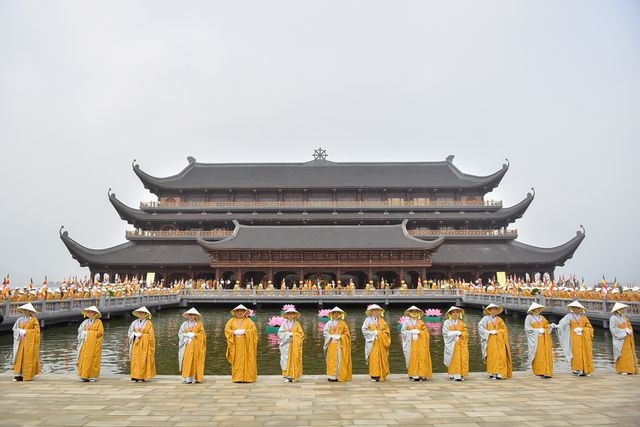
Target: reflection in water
[[58, 350]]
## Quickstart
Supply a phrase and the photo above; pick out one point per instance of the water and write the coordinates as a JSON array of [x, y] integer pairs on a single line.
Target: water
[[58, 348]]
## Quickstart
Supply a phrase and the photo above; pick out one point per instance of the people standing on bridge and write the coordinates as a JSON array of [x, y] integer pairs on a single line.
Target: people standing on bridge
[[494, 341], [624, 346], [576, 339], [192, 347], [415, 345], [456, 348], [291, 337], [242, 346], [377, 340], [337, 347], [538, 331], [26, 344], [90, 337], [142, 346]]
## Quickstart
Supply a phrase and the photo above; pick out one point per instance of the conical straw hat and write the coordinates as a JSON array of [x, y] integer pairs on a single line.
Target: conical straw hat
[[92, 308], [486, 309], [617, 306], [454, 308], [142, 310], [413, 308], [240, 307], [374, 307], [28, 307], [534, 306], [192, 310], [576, 304], [291, 310]]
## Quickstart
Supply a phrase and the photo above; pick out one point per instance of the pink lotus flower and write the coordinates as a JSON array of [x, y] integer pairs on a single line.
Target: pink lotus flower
[[403, 319], [433, 312], [288, 306], [251, 313], [324, 312], [275, 321]]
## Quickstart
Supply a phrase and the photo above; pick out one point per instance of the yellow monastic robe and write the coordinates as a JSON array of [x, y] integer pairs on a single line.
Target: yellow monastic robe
[[582, 346], [242, 350], [420, 359], [627, 362], [195, 351], [142, 351], [294, 359], [90, 354], [340, 349], [498, 350], [379, 356], [542, 363], [460, 360], [27, 359]]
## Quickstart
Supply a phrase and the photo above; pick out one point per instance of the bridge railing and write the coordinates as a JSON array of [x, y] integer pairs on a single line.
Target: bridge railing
[[601, 307], [9, 309], [334, 293]]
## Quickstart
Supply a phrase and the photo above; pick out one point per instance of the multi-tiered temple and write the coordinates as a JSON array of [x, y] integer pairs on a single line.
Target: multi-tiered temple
[[360, 221]]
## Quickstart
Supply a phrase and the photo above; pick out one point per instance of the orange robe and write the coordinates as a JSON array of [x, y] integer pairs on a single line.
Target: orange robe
[[142, 350], [192, 351], [416, 351], [90, 336], [26, 349], [242, 350], [337, 353]]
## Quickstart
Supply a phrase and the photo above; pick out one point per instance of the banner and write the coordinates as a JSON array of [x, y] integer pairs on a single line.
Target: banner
[[151, 277], [501, 277]]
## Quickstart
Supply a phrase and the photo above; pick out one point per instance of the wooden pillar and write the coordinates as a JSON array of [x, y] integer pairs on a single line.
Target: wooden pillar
[[424, 273], [239, 275], [301, 274], [218, 278], [401, 276], [370, 276], [338, 274], [270, 274]]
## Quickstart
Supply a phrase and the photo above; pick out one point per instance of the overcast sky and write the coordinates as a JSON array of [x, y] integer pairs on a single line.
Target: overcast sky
[[85, 88]]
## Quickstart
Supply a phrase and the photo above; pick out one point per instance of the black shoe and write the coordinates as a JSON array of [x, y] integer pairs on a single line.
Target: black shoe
[[18, 378], [84, 380], [332, 380], [134, 380]]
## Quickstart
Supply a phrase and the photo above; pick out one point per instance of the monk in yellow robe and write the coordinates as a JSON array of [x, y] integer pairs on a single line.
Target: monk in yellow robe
[[291, 337], [90, 336], [624, 346], [337, 347], [377, 340], [494, 341], [576, 339], [142, 346], [415, 345], [538, 331], [456, 344], [26, 344], [242, 346], [192, 347]]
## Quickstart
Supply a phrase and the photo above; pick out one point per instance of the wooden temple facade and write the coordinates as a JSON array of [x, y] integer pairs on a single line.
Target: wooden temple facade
[[340, 221]]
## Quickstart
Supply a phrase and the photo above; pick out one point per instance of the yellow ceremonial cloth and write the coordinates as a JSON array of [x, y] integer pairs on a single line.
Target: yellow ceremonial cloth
[[379, 356], [344, 371], [143, 353], [194, 354], [582, 346], [628, 361], [294, 361], [543, 361], [460, 360], [498, 350], [91, 353], [242, 350], [420, 359], [28, 357]]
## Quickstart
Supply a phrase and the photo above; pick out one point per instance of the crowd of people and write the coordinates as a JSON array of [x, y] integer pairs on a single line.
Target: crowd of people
[[122, 287], [574, 332]]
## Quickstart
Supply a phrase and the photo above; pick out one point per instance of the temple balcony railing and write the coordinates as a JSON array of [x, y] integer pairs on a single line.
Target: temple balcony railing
[[322, 204], [192, 234], [464, 233]]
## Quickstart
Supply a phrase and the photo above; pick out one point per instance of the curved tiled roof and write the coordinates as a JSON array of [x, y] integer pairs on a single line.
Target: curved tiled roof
[[500, 216], [141, 254], [321, 237], [320, 174]]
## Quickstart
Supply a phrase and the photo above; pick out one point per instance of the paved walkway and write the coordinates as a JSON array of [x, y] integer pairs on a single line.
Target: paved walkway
[[56, 400]]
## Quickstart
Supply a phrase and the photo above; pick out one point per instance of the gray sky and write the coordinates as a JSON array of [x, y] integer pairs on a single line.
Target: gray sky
[[85, 88]]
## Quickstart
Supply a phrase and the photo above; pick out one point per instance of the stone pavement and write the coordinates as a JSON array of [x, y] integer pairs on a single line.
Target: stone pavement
[[60, 400]]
